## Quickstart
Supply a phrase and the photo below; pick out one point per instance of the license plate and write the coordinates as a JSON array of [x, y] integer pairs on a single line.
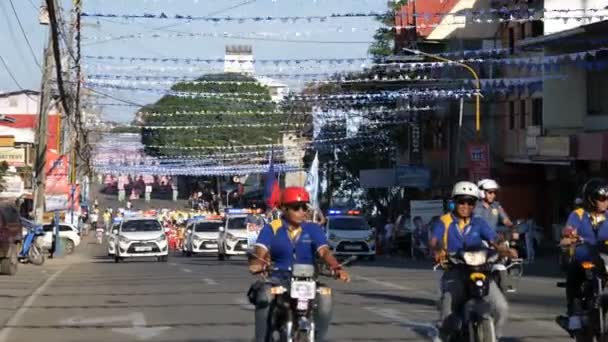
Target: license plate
[[352, 247], [211, 245], [143, 249], [303, 290]]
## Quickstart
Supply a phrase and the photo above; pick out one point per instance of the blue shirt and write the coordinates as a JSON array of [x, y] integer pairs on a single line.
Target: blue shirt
[[580, 220], [493, 214], [450, 231], [283, 251]]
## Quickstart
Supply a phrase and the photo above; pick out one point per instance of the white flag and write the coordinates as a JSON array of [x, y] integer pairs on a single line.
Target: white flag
[[312, 182]]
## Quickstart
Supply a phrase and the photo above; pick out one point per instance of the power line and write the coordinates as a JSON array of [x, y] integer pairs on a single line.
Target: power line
[[24, 35], [10, 73], [114, 97]]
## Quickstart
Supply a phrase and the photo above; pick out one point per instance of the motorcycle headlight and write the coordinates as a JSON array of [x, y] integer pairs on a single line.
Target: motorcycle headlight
[[162, 238], [231, 237], [475, 258], [123, 239]]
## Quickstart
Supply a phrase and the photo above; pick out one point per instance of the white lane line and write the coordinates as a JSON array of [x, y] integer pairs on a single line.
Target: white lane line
[[428, 329], [393, 286], [6, 331], [244, 304], [209, 281], [187, 270], [172, 264]]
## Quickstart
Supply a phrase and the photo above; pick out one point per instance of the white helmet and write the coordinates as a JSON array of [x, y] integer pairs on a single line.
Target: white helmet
[[465, 189], [488, 184]]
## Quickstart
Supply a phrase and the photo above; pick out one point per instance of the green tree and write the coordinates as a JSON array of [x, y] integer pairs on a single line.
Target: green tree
[[226, 99], [384, 38]]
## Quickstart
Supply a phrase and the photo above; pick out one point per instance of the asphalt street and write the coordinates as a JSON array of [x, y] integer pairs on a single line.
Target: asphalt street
[[87, 297]]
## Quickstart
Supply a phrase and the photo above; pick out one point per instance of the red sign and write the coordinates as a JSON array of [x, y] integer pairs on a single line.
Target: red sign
[[57, 188], [479, 161]]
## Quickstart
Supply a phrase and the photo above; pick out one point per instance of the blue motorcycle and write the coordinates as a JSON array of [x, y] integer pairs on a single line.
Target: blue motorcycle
[[31, 250]]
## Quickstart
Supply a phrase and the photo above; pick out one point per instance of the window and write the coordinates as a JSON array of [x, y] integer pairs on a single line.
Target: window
[[597, 88], [537, 28], [512, 40], [522, 114], [537, 112], [511, 115]]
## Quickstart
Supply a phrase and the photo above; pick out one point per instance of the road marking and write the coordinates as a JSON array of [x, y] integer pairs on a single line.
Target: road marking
[[137, 319], [187, 270], [244, 304], [394, 286], [6, 332], [172, 264], [209, 281], [428, 329]]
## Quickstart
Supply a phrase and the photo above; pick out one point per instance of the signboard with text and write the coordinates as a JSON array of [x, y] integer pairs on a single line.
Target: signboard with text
[[12, 156], [479, 161], [57, 189]]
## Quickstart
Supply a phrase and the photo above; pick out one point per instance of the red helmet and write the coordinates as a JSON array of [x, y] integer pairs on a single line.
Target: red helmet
[[294, 194]]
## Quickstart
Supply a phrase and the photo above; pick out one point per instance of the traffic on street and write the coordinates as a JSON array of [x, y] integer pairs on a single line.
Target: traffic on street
[[304, 170]]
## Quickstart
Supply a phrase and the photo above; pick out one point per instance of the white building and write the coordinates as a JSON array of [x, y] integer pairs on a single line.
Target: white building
[[277, 90], [239, 59]]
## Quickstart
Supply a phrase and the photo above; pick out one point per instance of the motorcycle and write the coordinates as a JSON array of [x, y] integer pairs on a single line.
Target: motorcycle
[[31, 250], [507, 271], [292, 310], [592, 304], [473, 322]]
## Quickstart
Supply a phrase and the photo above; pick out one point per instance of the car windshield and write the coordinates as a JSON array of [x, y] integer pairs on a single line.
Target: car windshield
[[348, 223], [141, 226], [237, 222], [255, 219], [207, 226]]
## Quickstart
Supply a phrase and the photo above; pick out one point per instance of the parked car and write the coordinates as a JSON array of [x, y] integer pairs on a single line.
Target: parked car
[[68, 233], [11, 237]]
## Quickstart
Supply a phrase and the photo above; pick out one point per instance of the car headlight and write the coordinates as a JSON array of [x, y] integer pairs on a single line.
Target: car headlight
[[475, 258], [370, 238], [332, 236], [162, 238], [196, 237], [231, 237], [123, 239]]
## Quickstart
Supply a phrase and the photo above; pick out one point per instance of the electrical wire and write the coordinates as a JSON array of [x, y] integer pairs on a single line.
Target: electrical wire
[[25, 35], [10, 73]]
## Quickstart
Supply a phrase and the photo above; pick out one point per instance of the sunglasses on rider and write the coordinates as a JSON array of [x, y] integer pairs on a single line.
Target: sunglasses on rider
[[298, 207], [467, 201], [602, 198]]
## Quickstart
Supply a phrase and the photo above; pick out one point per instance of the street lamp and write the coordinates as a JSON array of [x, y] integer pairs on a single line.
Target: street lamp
[[473, 73]]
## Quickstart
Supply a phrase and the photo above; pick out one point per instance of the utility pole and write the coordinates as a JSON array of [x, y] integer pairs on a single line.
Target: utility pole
[[42, 129]]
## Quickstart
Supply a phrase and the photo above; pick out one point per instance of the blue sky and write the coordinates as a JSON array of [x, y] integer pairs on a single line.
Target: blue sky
[[26, 71]]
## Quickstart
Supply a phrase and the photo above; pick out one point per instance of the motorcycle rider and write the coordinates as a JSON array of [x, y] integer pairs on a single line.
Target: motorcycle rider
[[453, 232], [588, 225], [284, 242], [489, 208]]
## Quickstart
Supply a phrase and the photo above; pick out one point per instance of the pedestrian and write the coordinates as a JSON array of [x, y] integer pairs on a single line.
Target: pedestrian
[[388, 236]]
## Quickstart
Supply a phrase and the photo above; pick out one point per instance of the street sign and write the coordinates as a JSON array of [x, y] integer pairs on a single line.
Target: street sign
[[413, 176]]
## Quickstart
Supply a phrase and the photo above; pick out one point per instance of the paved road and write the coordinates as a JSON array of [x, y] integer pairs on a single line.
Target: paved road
[[89, 298]]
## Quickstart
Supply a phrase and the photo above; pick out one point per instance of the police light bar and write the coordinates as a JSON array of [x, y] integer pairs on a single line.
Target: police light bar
[[341, 212], [237, 211]]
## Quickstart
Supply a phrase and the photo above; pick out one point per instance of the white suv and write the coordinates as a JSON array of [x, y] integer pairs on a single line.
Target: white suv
[[141, 237], [67, 232], [202, 236]]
